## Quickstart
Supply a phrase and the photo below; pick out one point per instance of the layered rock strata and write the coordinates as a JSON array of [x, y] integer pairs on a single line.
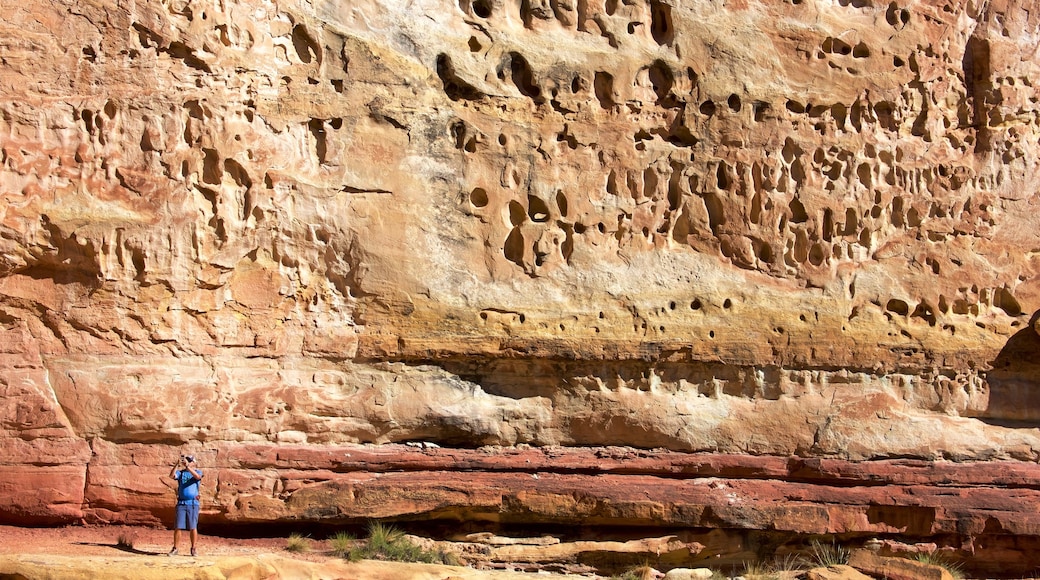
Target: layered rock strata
[[723, 510], [774, 229]]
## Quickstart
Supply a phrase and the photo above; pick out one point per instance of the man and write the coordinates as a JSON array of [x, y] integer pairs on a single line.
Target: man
[[187, 517]]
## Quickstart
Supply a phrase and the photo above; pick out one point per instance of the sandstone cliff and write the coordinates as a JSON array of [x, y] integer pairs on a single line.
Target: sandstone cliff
[[272, 231]]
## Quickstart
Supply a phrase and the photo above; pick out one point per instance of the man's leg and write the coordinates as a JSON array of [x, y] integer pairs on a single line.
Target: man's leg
[[193, 525], [179, 517]]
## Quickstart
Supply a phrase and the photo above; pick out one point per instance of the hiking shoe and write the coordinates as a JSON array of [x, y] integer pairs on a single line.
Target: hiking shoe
[[193, 552], [173, 552]]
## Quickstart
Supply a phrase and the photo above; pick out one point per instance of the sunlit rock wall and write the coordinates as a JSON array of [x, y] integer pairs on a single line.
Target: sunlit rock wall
[[802, 227]]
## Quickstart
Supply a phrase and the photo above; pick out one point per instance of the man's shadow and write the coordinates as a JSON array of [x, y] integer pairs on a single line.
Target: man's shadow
[[1014, 381], [122, 548]]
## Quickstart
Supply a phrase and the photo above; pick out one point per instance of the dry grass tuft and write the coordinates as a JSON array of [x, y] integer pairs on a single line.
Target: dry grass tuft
[[126, 540], [297, 544]]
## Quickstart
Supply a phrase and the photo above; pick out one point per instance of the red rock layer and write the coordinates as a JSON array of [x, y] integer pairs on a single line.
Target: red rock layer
[[986, 511]]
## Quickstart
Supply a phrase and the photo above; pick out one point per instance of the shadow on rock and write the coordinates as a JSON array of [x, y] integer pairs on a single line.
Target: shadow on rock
[[1014, 380]]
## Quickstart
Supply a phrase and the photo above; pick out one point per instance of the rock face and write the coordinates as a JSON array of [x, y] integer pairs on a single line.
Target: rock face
[[757, 228]]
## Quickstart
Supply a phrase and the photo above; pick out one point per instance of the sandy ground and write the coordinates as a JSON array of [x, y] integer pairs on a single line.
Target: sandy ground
[[103, 541], [94, 552]]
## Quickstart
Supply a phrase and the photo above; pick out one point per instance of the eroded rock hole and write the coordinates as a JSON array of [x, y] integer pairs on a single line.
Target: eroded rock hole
[[897, 306], [716, 216], [707, 108], [523, 77], [798, 213], [896, 16], [764, 251], [722, 176], [734, 103], [836, 46], [458, 132], [537, 209], [661, 22], [885, 112], [517, 215], [306, 47], [924, 312], [760, 109], [977, 72], [567, 247], [817, 254], [604, 89], [662, 80], [454, 87], [1004, 300], [211, 170], [482, 8], [184, 53], [514, 246], [478, 197], [561, 203], [317, 129]]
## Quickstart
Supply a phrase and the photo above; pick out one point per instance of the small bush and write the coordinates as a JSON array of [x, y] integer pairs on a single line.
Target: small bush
[[643, 572], [388, 543], [938, 559], [780, 568], [125, 540], [384, 538], [758, 571], [828, 555], [297, 543], [342, 543]]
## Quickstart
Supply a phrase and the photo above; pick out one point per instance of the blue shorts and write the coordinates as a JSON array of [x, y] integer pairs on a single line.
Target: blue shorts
[[187, 516]]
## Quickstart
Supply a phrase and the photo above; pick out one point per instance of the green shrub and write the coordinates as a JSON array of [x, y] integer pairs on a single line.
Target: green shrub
[[388, 543], [341, 544]]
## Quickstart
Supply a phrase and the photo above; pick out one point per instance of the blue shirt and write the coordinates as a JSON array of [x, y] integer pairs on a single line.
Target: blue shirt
[[187, 485]]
